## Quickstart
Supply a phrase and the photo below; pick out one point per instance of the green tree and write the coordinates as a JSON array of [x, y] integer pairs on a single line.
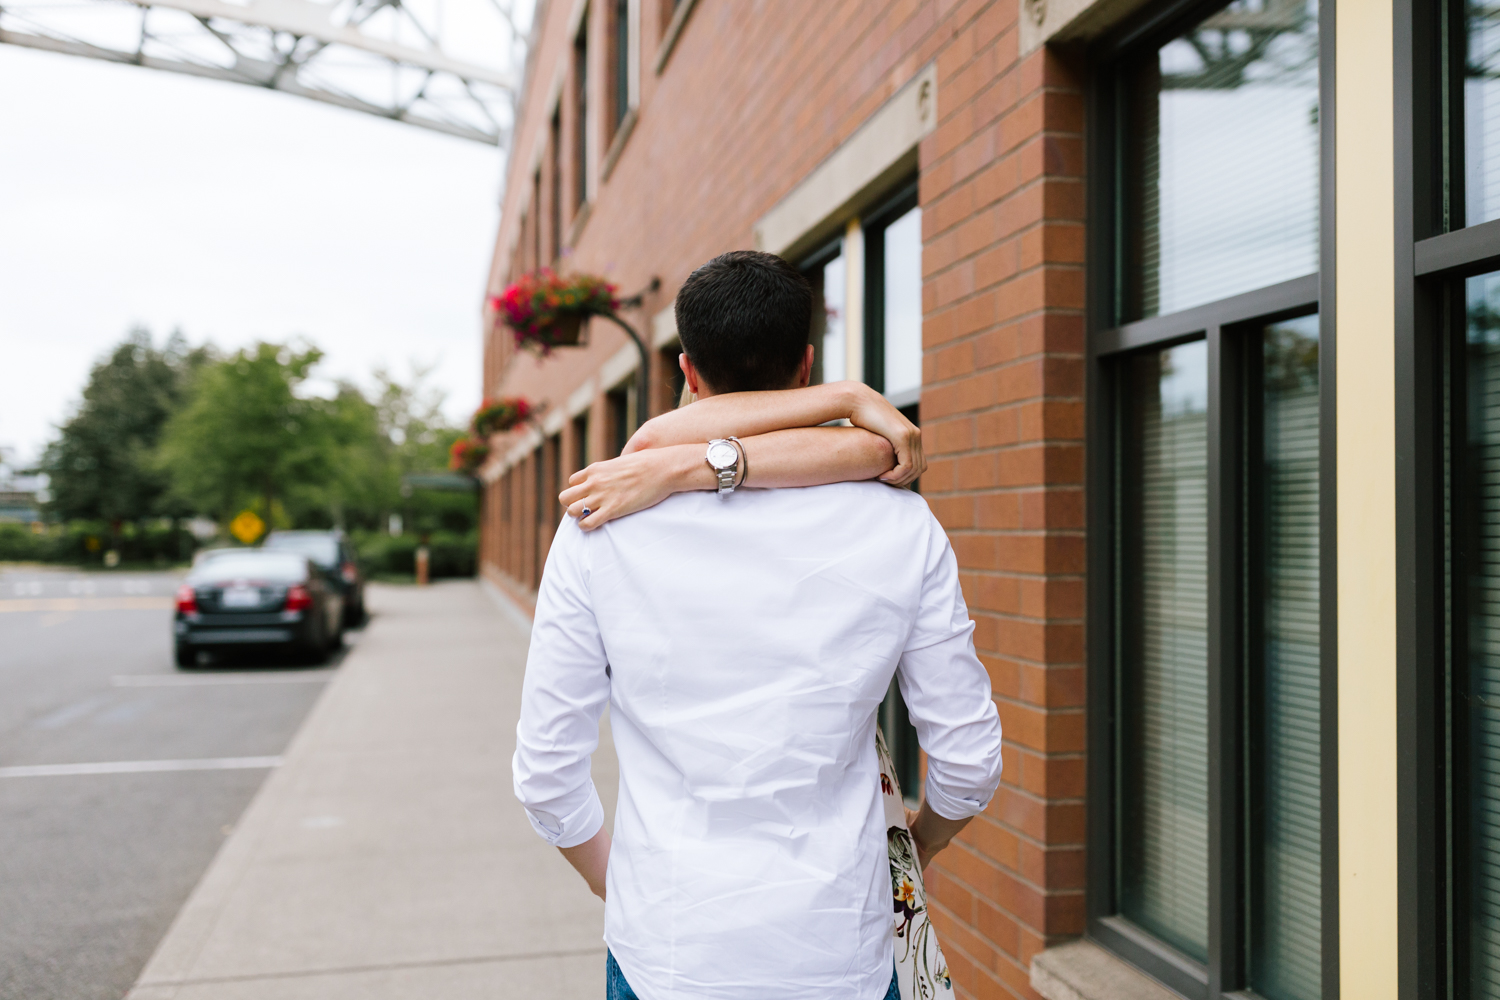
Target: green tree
[[245, 435], [100, 465]]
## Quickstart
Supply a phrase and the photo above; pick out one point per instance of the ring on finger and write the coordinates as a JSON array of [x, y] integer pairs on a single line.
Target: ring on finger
[[585, 512]]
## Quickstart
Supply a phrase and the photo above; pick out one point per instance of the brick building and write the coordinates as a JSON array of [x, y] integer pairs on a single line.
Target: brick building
[[1144, 225]]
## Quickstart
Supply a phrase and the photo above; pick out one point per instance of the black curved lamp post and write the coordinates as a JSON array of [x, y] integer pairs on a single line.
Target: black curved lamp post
[[643, 373]]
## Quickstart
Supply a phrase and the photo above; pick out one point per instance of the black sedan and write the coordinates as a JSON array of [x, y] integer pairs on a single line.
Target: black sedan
[[335, 555], [255, 597]]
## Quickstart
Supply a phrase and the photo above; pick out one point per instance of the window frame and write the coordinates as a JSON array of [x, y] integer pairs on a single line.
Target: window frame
[[1225, 324], [1435, 252], [903, 199], [808, 264]]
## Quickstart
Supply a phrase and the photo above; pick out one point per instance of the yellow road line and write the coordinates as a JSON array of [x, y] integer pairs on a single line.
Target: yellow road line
[[87, 604]]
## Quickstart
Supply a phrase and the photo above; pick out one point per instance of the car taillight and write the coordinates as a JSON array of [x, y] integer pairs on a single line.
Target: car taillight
[[187, 600], [350, 572], [297, 598]]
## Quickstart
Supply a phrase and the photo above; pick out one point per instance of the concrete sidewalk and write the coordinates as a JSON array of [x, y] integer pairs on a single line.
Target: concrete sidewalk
[[388, 858]]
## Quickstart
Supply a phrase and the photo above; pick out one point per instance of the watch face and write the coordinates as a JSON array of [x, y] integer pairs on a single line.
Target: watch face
[[722, 456]]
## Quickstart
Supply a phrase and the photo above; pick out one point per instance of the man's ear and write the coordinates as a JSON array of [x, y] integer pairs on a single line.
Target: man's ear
[[804, 371], [689, 372]]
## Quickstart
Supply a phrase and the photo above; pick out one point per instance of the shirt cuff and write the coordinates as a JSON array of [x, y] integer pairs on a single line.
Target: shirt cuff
[[950, 806], [576, 828]]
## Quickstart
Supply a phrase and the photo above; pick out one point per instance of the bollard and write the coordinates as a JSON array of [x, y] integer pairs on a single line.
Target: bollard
[[421, 565]]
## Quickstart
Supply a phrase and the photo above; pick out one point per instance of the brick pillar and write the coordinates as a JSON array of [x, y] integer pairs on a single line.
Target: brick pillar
[[1002, 409]]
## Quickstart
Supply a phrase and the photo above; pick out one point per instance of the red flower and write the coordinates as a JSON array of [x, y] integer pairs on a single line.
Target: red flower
[[540, 298]]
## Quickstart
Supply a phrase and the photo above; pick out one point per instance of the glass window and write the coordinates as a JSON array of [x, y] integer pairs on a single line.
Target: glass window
[[1222, 148], [1285, 881], [1476, 672], [832, 346], [621, 57], [581, 114], [902, 312], [1482, 114], [1163, 715]]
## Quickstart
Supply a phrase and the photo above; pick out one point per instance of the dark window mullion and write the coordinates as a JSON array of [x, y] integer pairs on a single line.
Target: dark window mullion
[[1226, 892], [1262, 303], [1463, 251], [1463, 517]]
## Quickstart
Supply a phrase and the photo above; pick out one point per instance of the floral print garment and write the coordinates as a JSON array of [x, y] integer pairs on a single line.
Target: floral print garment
[[921, 969]]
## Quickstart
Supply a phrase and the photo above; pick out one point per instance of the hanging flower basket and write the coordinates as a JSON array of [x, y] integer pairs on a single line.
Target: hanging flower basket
[[467, 455], [545, 310], [495, 416]]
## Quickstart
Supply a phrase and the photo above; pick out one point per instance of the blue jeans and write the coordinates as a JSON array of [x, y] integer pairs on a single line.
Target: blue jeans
[[616, 988]]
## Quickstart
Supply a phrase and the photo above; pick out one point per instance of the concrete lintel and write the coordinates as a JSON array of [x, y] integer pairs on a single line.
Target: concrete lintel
[[625, 361], [582, 398], [1045, 22], [664, 326]]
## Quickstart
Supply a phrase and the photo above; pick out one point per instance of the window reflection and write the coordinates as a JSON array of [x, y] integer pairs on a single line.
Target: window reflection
[[1285, 805], [1163, 757], [1476, 681], [835, 287], [1482, 113], [903, 308], [1223, 145]]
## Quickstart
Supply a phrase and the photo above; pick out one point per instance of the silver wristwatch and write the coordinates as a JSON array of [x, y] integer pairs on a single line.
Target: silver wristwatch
[[724, 458]]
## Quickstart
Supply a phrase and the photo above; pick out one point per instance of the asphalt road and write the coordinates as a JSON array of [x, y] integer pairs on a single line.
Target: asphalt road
[[120, 775]]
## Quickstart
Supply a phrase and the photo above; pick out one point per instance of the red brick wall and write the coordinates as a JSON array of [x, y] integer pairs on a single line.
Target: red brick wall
[[1002, 413], [756, 94]]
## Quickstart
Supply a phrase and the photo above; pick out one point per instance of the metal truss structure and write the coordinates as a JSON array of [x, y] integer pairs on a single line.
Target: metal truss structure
[[447, 65]]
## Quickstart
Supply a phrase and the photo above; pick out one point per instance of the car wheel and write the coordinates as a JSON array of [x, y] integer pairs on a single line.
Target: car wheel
[[186, 656]]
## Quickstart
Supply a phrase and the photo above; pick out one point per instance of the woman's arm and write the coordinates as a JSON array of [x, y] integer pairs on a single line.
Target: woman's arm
[[800, 456], [748, 414]]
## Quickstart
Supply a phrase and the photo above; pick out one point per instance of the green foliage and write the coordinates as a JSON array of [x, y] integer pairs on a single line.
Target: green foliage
[[244, 433], [84, 543], [162, 435], [100, 466], [449, 554]]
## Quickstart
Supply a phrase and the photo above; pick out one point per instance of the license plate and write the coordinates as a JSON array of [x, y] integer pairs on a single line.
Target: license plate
[[241, 597]]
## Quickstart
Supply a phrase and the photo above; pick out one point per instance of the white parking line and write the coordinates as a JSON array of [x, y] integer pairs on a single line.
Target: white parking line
[[140, 767], [212, 680]]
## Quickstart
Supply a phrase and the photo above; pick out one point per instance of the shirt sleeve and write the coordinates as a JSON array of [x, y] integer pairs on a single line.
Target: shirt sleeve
[[562, 698], [947, 692]]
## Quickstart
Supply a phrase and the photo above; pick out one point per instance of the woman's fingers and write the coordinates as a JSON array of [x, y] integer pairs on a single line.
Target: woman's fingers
[[587, 511]]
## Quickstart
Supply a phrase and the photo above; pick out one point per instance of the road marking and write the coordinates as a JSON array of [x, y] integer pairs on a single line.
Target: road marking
[[210, 680], [140, 767], [87, 604]]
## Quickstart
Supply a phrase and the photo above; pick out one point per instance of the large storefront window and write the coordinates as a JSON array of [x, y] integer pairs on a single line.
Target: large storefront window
[[1205, 505], [1284, 665], [1223, 146], [825, 271], [1164, 635], [1475, 680], [1481, 114]]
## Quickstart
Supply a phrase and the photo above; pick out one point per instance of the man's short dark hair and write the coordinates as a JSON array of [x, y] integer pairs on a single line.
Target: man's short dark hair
[[744, 319]]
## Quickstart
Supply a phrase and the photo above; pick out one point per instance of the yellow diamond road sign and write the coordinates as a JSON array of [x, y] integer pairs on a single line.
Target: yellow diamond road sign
[[246, 526]]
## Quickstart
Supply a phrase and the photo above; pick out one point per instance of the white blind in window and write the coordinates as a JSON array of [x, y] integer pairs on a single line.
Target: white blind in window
[[1286, 876], [1164, 756]]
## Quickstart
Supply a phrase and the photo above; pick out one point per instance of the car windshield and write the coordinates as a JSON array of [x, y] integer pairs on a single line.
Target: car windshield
[[321, 549], [251, 566]]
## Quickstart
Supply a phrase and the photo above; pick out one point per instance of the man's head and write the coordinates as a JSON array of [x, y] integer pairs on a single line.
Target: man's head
[[744, 319]]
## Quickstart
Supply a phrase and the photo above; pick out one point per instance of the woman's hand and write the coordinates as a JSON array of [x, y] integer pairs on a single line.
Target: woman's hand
[[873, 412], [632, 482], [751, 414]]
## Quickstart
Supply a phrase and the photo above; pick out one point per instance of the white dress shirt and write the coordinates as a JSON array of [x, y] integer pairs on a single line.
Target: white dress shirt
[[743, 644]]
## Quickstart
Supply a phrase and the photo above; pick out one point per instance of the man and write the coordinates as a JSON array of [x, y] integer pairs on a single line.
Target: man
[[744, 643]]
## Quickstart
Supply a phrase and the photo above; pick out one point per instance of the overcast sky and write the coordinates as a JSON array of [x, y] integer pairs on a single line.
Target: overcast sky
[[132, 196]]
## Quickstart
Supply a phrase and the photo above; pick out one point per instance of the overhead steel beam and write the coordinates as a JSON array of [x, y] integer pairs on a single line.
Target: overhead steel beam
[[327, 52]]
